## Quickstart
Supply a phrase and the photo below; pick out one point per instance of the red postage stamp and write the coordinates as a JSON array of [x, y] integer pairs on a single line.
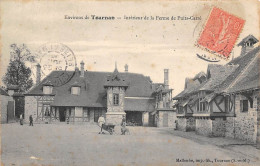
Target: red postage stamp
[[220, 32]]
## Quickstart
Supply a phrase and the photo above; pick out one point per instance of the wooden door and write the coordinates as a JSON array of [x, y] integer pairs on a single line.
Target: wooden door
[[10, 111]]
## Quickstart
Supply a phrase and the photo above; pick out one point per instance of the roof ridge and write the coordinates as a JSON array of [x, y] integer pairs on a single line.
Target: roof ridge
[[239, 57], [241, 73]]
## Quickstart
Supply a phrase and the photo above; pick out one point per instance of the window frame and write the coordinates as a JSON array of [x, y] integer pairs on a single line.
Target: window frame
[[242, 104], [115, 99], [77, 90], [47, 90]]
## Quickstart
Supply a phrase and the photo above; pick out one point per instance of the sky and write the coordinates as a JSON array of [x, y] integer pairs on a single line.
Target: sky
[[147, 46]]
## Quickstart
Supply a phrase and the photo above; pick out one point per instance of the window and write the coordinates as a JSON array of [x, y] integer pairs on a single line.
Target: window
[[47, 89], [180, 109], [75, 90], [46, 110], [201, 106], [116, 99], [198, 106], [244, 105]]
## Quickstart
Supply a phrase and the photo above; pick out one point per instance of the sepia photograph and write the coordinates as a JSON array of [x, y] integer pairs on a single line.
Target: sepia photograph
[[129, 82]]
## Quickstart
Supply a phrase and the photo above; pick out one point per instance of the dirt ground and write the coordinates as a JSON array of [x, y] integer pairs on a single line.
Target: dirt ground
[[76, 145]]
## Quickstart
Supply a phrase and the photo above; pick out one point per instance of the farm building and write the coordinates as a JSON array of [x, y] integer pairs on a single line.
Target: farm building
[[224, 101], [82, 96]]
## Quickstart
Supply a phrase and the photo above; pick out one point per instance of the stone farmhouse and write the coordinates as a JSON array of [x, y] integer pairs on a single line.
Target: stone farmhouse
[[83, 96], [224, 101]]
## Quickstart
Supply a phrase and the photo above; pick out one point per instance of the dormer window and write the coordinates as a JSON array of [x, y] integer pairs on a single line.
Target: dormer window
[[47, 89], [75, 90]]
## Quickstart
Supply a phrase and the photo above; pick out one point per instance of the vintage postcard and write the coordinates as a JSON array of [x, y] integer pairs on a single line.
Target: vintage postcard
[[129, 83]]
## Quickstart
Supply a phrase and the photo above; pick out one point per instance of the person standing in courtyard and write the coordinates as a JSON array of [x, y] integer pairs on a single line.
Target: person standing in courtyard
[[21, 119], [31, 120], [101, 122]]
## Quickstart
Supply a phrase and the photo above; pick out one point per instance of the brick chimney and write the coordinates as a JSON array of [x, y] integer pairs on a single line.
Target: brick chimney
[[38, 74], [81, 69], [247, 44], [166, 78], [126, 68]]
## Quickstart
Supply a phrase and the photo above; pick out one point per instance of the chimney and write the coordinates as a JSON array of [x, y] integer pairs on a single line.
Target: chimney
[[166, 78], [81, 69], [126, 68], [38, 74], [247, 44]]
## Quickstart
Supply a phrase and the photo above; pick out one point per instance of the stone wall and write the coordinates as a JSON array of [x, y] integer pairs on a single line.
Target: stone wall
[[204, 127], [186, 124], [110, 106], [30, 108], [218, 127], [171, 118], [115, 113], [244, 125], [191, 124], [182, 124], [4, 102]]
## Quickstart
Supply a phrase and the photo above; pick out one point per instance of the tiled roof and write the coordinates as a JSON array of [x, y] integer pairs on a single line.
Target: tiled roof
[[93, 93], [200, 76], [243, 62], [218, 73], [116, 79], [193, 85], [247, 80], [3, 92], [239, 74]]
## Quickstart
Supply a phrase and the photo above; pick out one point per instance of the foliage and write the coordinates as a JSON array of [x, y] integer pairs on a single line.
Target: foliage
[[17, 72]]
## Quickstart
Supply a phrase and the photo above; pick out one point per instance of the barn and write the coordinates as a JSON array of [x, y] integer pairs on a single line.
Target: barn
[[82, 96]]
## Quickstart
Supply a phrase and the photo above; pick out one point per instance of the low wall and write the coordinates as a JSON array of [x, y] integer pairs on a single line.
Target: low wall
[[171, 118], [182, 124], [218, 127], [204, 127], [191, 124], [186, 124], [244, 125]]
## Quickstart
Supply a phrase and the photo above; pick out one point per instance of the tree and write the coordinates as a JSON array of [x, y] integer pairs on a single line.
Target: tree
[[17, 72]]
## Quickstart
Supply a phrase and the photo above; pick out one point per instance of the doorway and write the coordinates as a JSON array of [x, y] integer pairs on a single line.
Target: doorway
[[62, 113], [134, 118]]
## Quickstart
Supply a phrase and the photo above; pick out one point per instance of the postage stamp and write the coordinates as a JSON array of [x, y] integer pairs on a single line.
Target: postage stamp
[[220, 33]]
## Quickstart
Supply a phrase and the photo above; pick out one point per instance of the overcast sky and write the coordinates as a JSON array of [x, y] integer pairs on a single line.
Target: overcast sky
[[146, 46]]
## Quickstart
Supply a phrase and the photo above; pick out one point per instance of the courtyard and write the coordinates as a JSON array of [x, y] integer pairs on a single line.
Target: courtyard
[[76, 145]]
